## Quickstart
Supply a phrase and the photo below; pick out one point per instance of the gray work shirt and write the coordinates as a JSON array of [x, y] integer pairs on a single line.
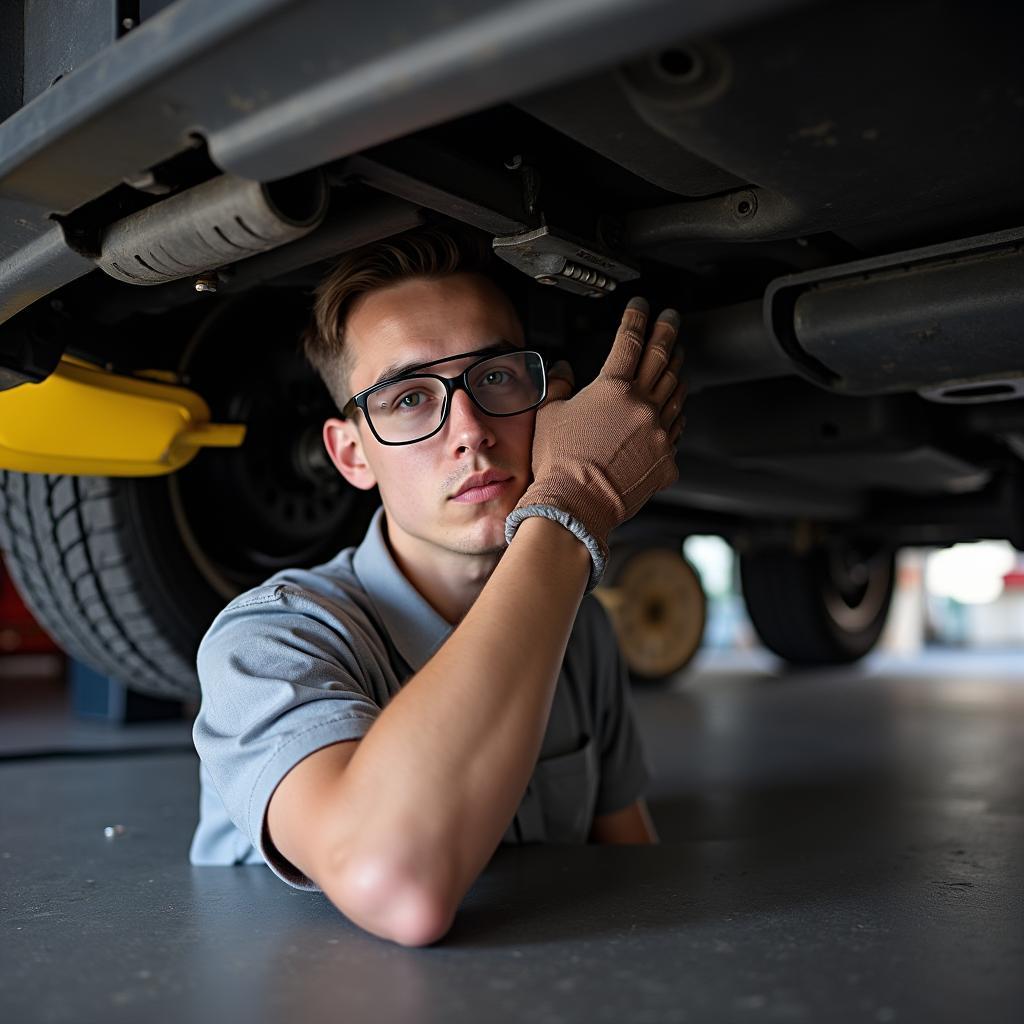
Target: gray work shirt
[[312, 656]]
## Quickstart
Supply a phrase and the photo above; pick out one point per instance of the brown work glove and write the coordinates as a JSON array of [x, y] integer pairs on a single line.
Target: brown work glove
[[600, 455]]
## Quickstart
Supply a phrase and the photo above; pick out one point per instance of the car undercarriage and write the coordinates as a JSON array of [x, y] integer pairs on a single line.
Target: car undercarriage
[[828, 192]]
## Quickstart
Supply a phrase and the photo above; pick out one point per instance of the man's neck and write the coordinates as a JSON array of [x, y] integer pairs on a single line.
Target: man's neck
[[447, 581]]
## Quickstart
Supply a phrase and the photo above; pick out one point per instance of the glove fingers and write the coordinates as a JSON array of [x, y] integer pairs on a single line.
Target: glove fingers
[[562, 370], [629, 341], [560, 382], [668, 381], [558, 390], [676, 430], [674, 405], [658, 350]]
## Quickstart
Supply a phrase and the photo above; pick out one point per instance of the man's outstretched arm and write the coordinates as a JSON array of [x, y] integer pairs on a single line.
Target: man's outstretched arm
[[397, 826]]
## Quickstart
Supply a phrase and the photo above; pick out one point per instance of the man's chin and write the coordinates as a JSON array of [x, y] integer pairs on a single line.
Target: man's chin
[[485, 527]]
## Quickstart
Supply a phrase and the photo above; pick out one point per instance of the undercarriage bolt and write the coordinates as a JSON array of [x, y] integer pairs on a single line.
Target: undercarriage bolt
[[206, 283]]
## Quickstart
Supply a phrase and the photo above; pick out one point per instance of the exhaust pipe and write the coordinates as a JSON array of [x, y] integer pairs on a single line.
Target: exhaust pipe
[[218, 222]]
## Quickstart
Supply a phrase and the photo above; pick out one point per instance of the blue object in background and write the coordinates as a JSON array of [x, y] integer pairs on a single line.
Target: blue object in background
[[98, 697]]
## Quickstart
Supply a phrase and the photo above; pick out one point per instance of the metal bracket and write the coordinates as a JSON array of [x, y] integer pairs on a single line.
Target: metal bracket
[[557, 259]]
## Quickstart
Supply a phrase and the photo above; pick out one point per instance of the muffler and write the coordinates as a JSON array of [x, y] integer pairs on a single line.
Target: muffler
[[218, 222], [946, 321]]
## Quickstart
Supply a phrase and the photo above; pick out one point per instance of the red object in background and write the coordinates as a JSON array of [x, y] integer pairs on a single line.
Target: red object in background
[[1014, 578], [19, 632]]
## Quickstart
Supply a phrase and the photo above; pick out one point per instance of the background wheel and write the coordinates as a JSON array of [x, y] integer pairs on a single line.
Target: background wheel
[[127, 574], [825, 607], [657, 605]]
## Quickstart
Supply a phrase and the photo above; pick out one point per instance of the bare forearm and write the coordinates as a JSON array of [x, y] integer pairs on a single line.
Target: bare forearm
[[435, 782]]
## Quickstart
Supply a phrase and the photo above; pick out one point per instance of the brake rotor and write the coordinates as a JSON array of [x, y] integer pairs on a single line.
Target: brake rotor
[[658, 608]]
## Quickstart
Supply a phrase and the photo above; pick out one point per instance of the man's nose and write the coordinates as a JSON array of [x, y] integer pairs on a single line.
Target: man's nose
[[467, 423]]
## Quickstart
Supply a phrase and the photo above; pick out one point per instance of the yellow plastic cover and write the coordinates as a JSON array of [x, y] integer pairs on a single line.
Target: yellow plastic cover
[[86, 421]]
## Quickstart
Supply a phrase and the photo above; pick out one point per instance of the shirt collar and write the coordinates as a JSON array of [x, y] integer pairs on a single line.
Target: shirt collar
[[415, 628]]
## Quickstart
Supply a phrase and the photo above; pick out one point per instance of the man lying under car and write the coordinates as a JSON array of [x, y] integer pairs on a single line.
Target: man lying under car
[[374, 727]]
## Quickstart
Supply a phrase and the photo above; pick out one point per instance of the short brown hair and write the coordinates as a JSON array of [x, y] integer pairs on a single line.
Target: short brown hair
[[422, 252]]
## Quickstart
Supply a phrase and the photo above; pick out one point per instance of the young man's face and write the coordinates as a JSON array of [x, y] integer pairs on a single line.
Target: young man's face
[[422, 320]]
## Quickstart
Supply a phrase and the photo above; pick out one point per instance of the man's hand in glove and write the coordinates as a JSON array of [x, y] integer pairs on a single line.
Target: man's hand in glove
[[600, 455]]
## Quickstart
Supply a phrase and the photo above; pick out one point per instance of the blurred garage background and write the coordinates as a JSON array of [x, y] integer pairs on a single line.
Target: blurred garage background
[[950, 604]]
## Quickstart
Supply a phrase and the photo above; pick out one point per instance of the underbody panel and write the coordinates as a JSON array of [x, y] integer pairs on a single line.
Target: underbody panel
[[828, 191]]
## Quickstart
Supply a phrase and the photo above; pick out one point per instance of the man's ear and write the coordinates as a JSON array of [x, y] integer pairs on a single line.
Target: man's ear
[[345, 449]]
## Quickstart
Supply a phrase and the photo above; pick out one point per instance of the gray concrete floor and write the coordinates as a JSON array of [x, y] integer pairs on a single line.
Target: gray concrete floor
[[837, 846]]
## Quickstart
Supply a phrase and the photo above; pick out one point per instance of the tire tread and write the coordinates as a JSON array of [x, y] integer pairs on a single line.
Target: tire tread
[[783, 597], [63, 546]]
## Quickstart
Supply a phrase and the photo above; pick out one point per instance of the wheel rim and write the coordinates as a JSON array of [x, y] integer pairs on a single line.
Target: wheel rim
[[658, 608], [277, 501], [855, 587]]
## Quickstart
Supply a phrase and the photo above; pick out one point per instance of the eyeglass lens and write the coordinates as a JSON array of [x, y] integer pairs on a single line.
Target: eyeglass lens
[[411, 408]]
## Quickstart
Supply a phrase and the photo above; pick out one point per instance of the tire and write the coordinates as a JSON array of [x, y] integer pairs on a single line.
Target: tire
[[92, 560], [127, 574], [826, 607], [102, 565], [657, 605]]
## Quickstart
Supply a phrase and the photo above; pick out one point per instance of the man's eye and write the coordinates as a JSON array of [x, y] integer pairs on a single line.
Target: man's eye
[[402, 404], [490, 374]]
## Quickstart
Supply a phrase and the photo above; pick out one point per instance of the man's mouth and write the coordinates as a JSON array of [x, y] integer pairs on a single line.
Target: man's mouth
[[487, 487]]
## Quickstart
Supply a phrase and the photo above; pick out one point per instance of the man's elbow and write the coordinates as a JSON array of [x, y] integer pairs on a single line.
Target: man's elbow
[[387, 904]]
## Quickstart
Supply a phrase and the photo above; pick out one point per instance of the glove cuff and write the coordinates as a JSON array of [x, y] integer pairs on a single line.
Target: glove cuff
[[598, 554]]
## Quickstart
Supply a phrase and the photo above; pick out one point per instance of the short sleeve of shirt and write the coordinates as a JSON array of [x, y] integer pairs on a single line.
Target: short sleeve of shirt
[[281, 678], [625, 770]]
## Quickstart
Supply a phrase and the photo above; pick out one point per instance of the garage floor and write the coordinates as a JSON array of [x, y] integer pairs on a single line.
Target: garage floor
[[836, 846]]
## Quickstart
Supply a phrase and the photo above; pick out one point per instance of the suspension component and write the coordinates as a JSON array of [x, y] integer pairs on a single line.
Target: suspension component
[[552, 258]]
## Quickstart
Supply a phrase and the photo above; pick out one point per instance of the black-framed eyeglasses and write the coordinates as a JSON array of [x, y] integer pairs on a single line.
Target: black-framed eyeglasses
[[415, 406]]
